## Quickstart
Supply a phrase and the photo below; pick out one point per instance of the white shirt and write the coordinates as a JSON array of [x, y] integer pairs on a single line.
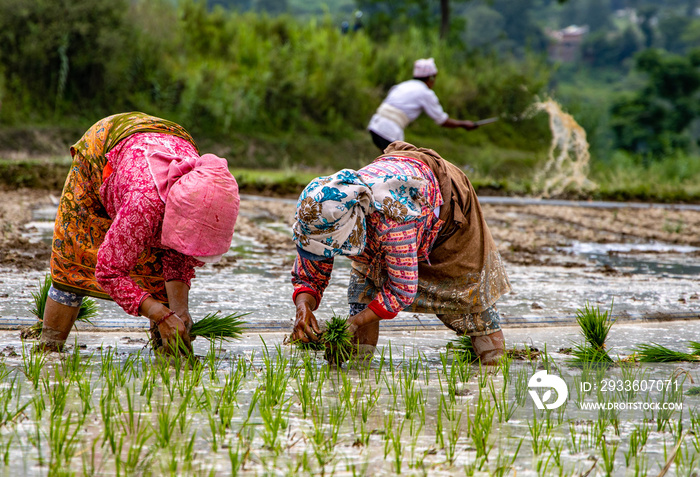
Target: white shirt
[[412, 97]]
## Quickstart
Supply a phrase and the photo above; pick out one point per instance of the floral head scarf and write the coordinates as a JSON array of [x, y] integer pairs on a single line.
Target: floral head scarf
[[331, 211]]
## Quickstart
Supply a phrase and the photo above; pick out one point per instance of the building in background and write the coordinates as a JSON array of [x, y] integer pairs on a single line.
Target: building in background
[[565, 44]]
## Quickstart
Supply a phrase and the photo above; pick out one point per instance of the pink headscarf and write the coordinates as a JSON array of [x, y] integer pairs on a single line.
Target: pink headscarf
[[201, 203]]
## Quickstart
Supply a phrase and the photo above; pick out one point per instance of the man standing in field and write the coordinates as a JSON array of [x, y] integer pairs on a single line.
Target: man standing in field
[[406, 101]]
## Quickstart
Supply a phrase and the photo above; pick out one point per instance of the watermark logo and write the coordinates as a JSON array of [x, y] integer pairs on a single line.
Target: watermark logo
[[543, 380]]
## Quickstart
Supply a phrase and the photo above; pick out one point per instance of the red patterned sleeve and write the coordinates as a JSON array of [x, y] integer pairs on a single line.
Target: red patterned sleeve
[[126, 238], [177, 266], [311, 276], [399, 243]]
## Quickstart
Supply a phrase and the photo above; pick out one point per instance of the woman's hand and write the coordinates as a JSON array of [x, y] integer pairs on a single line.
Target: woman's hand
[[364, 327], [172, 329], [305, 325], [178, 299]]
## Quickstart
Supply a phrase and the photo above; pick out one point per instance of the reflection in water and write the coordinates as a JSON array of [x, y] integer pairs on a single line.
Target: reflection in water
[[641, 279], [657, 259]]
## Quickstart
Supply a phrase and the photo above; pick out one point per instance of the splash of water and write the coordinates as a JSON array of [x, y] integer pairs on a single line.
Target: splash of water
[[567, 164]]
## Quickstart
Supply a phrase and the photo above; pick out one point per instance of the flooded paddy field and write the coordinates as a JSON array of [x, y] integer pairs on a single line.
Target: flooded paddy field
[[259, 407]]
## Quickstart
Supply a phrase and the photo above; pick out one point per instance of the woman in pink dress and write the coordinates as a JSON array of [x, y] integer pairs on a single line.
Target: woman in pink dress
[[140, 210]]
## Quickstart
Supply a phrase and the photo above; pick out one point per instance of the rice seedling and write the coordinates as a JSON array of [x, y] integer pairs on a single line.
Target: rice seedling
[[637, 440], [323, 452], [555, 446], [214, 327], [394, 434], [504, 463], [464, 348], [687, 462], [413, 398], [62, 440], [8, 411], [337, 340], [504, 407], [453, 435], [656, 353], [33, 365], [608, 452], [595, 326], [274, 418], [481, 425], [641, 465], [88, 310], [5, 445], [539, 434]]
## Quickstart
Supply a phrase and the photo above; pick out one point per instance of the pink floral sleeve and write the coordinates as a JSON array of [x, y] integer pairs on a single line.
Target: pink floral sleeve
[[177, 266], [130, 233]]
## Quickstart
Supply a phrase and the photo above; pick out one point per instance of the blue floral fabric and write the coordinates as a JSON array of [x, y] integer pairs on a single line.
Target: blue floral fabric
[[331, 211]]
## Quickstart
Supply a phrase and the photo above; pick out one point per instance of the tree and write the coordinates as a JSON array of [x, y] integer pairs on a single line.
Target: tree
[[655, 120]]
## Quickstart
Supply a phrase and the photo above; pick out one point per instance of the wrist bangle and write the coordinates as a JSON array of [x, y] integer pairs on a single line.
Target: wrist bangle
[[161, 320]]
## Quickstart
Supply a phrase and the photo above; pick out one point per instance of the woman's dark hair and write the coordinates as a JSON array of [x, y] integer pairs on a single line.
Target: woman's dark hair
[[425, 79]]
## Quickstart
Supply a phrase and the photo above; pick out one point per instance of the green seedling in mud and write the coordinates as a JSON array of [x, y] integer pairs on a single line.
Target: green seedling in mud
[[595, 326], [637, 440], [540, 433], [608, 452], [480, 426], [463, 347], [505, 463], [33, 364], [504, 408], [338, 340], [8, 412], [655, 353], [88, 310]]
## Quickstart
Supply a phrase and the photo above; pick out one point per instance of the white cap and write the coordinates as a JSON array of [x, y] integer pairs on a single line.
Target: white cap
[[424, 67]]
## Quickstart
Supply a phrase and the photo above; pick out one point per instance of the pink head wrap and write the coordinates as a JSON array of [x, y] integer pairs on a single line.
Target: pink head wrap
[[201, 204]]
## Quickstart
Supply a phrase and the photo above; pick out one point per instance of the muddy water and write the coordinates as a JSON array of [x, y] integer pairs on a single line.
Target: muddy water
[[642, 280]]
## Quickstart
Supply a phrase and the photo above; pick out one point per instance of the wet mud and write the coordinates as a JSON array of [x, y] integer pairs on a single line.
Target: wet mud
[[644, 261]]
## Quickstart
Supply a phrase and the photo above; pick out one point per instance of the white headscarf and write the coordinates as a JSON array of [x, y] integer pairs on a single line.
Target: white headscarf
[[331, 211]]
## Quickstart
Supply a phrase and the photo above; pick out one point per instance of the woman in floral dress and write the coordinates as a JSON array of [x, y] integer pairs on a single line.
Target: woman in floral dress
[[140, 210], [412, 226]]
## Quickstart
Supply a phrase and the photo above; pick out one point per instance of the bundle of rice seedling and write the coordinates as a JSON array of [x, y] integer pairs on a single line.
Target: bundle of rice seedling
[[595, 326], [655, 353], [227, 327], [464, 348], [585, 353], [337, 340], [694, 348], [88, 310], [211, 327]]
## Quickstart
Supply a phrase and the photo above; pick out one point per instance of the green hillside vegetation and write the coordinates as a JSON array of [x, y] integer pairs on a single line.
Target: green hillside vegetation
[[277, 85]]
